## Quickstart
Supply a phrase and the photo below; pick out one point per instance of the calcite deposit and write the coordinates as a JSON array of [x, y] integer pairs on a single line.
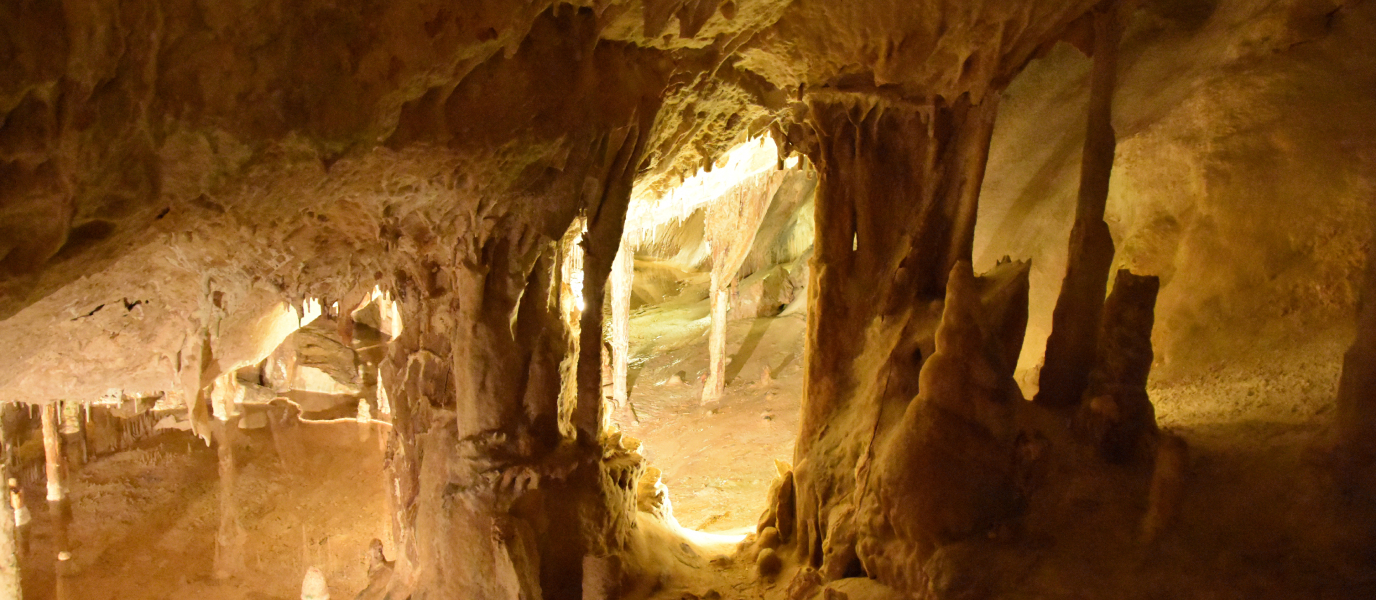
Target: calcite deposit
[[407, 245]]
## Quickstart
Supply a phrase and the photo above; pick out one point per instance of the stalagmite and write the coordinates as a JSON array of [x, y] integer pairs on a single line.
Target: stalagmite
[[1116, 412], [229, 537], [732, 222], [623, 275], [1075, 321], [946, 473], [313, 586]]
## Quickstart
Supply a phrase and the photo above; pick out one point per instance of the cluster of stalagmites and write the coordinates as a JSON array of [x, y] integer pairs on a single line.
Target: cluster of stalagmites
[[959, 466]]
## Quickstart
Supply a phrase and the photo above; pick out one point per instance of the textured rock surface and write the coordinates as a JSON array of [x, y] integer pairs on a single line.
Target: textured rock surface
[[946, 472], [312, 360], [1246, 196], [1115, 410], [178, 178]]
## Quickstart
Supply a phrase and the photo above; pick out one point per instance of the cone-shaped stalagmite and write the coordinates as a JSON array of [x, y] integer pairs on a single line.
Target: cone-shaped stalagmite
[[1075, 321], [1116, 412], [947, 471]]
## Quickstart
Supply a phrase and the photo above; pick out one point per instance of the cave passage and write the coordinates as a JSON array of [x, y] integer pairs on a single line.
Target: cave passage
[[688, 299]]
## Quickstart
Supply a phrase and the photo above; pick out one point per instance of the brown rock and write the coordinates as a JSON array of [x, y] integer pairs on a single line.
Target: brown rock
[[768, 564]]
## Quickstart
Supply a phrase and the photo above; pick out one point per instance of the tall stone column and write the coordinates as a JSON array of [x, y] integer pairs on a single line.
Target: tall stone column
[[623, 276], [500, 489], [732, 222], [10, 575], [55, 464], [719, 299], [59, 508], [606, 220], [229, 536], [1071, 346], [897, 188]]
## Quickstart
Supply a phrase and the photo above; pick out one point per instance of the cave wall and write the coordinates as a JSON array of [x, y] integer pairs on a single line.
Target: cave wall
[[1242, 176]]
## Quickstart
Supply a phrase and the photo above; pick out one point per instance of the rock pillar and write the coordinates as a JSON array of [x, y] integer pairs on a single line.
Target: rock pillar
[[898, 183], [601, 244], [55, 464], [229, 537], [1075, 321], [498, 487], [732, 222], [9, 540], [1116, 412], [59, 509], [623, 275]]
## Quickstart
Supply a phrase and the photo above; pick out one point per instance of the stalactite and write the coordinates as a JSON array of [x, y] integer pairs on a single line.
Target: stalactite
[[1075, 321]]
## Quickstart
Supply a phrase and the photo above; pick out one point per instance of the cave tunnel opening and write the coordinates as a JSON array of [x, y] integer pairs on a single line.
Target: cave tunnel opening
[[713, 381]]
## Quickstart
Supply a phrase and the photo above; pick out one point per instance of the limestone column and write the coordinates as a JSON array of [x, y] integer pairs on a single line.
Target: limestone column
[[732, 222], [719, 299], [619, 158], [10, 578], [229, 537], [623, 275], [1071, 346], [74, 432], [55, 462], [877, 281], [58, 507]]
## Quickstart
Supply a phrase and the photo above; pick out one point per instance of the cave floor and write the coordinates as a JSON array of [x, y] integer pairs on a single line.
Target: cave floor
[[717, 460], [144, 520]]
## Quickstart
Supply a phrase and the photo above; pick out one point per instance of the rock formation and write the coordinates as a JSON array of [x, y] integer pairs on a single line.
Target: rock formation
[[1074, 329], [448, 192]]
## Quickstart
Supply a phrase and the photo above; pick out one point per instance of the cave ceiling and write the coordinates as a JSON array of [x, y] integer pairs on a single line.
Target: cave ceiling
[[164, 160]]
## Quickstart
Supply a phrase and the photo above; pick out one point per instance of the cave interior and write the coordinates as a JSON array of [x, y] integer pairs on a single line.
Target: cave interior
[[688, 299]]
